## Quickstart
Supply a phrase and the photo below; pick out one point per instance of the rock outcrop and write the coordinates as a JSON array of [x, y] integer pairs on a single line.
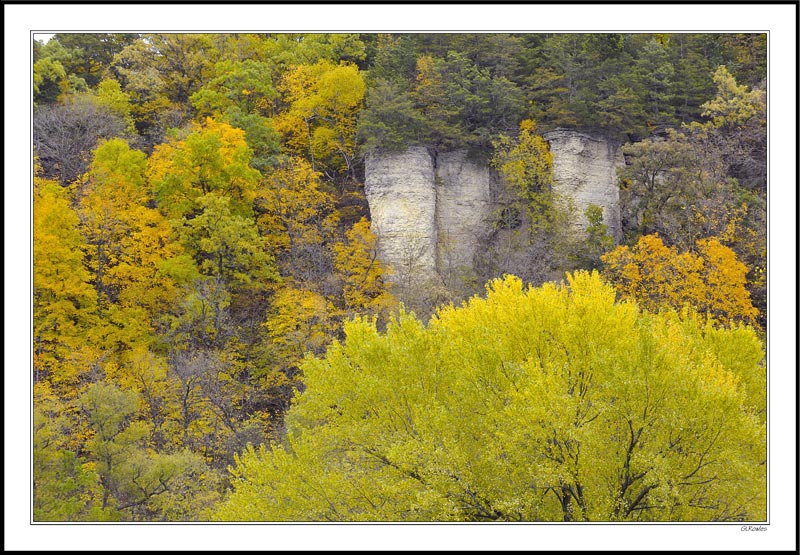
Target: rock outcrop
[[402, 201], [463, 205], [585, 169], [431, 213]]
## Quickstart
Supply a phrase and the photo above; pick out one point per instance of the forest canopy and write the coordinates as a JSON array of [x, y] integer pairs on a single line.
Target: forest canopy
[[216, 336]]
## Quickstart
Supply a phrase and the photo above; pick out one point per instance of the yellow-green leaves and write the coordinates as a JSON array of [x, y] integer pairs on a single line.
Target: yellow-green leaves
[[225, 245], [734, 104], [214, 157], [526, 164], [323, 102], [550, 403]]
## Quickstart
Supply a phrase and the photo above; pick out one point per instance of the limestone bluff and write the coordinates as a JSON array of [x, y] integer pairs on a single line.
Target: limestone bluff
[[430, 212]]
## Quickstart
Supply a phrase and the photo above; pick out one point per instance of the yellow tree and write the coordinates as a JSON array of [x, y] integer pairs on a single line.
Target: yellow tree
[[323, 101], [64, 301], [526, 165], [735, 137], [533, 237], [710, 281], [364, 288], [300, 322], [129, 241], [555, 403], [296, 217], [113, 186]]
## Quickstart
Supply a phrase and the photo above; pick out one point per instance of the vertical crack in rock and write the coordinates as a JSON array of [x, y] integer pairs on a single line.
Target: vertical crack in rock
[[585, 170], [430, 211], [464, 202]]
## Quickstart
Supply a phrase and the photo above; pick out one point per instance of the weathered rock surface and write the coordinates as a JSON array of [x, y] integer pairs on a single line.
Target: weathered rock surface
[[585, 171], [400, 190], [430, 215], [463, 204]]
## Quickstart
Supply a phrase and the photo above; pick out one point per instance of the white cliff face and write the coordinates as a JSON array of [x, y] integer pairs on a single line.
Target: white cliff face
[[400, 191], [585, 171], [431, 215], [463, 205]]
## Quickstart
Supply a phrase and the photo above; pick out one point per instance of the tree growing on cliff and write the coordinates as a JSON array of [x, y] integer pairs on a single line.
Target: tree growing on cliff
[[390, 120], [538, 404], [531, 235]]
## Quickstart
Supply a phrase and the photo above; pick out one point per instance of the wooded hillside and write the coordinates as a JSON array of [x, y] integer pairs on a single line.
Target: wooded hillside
[[216, 337]]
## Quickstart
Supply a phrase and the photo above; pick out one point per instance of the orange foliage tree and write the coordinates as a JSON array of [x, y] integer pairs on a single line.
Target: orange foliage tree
[[710, 280]]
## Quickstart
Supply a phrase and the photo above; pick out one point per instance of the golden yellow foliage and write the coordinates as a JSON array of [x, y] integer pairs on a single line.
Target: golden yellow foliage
[[323, 101], [363, 275], [710, 281], [64, 301], [302, 322]]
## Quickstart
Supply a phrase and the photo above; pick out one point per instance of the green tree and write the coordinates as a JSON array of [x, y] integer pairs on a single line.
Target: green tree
[[487, 104], [694, 57], [430, 97], [213, 157], [137, 484], [587, 252], [669, 187], [748, 57], [390, 120], [242, 95], [66, 486], [227, 246], [538, 404], [48, 76], [172, 64], [91, 54], [110, 95], [735, 134], [160, 72], [656, 73]]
